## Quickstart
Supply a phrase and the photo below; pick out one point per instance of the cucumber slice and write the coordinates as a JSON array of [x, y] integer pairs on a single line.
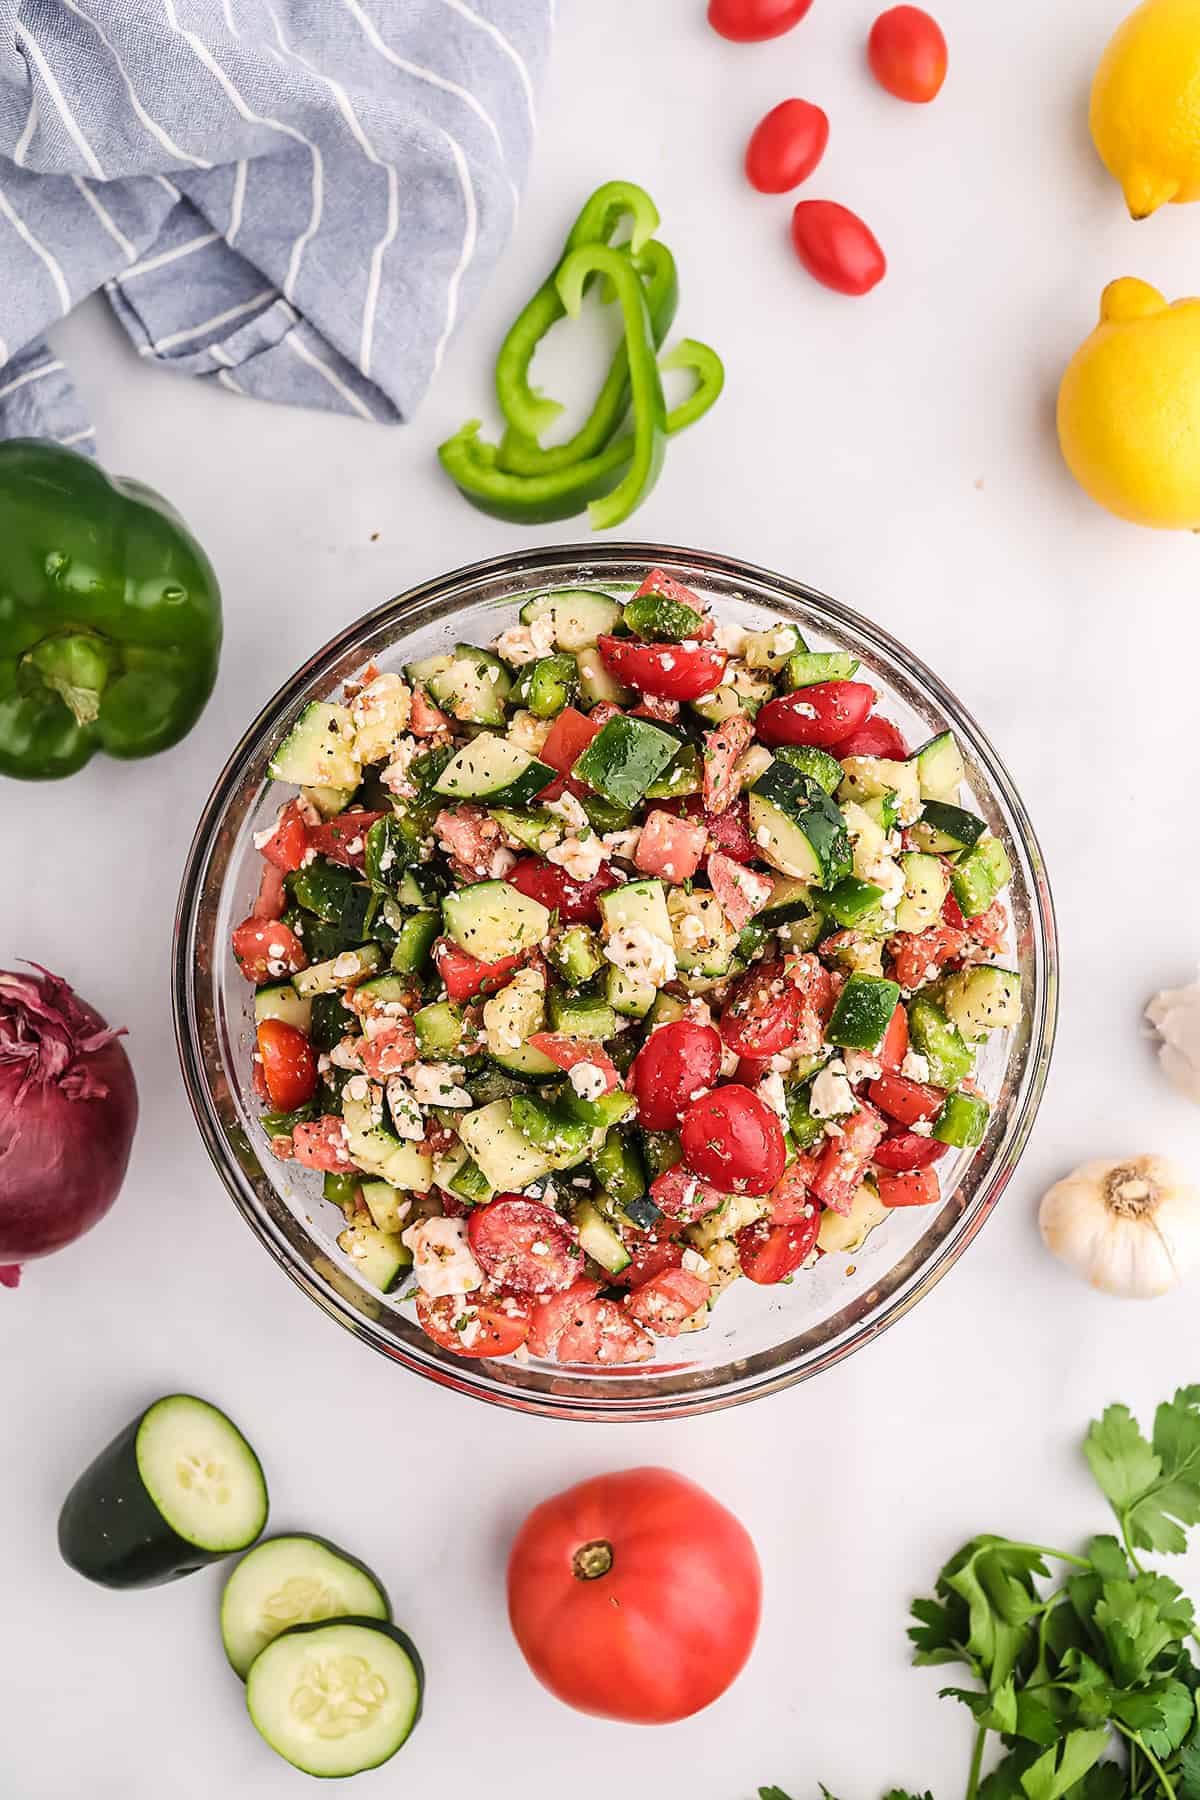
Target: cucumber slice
[[538, 830], [797, 827], [576, 956], [926, 885], [387, 1206], [415, 940], [329, 801], [598, 1240], [439, 1030], [473, 688], [848, 1231], [597, 683], [639, 903], [978, 876], [491, 919], [808, 667], [378, 1152], [579, 616], [177, 1489], [319, 749], [632, 999], [863, 777], [744, 692], [422, 672], [379, 1258], [288, 1581], [822, 768], [526, 1063], [981, 1000], [494, 769], [341, 971], [281, 1001], [791, 900], [582, 1016], [702, 936], [337, 1698], [771, 649], [940, 770], [943, 828], [508, 1160]]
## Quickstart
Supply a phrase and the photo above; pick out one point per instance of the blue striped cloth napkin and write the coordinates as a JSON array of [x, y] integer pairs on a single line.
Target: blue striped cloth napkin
[[299, 199]]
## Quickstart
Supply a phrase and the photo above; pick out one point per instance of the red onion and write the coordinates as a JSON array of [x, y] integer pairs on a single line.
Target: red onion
[[68, 1108]]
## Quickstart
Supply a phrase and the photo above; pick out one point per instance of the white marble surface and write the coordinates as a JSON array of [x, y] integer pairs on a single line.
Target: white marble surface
[[897, 452]]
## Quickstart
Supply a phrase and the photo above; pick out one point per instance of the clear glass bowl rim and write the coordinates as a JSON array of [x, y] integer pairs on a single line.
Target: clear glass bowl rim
[[530, 570]]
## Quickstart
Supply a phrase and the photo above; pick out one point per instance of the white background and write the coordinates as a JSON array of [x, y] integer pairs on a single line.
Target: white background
[[898, 452]]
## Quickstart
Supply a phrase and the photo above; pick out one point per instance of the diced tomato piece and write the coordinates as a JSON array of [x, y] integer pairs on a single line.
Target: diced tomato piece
[[550, 1317], [568, 738], [524, 1245], [344, 839], [769, 1253], [914, 1187], [742, 892], [288, 1064], [722, 747], [874, 737], [388, 1051], [426, 719], [909, 1150], [651, 1252], [322, 1145], [683, 1196], [575, 902], [465, 976], [952, 913], [894, 1047], [815, 982], [267, 950], [472, 1325], [844, 1159], [287, 843], [918, 957], [761, 1017], [669, 847], [652, 706], [271, 901], [675, 671], [989, 928], [567, 1052], [822, 714], [663, 1303], [791, 1197], [909, 1101], [666, 586], [600, 1332]]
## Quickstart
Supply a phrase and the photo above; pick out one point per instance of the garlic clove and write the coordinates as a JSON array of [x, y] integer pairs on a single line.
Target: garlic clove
[[1130, 1228], [1175, 1015]]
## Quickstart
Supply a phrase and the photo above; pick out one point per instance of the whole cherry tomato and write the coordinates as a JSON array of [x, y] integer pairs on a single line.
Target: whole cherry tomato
[[750, 21], [288, 1064], [822, 714], [874, 737], [732, 1139], [786, 146], [635, 1596], [575, 902], [672, 671], [907, 53], [836, 247], [671, 1068], [762, 1014]]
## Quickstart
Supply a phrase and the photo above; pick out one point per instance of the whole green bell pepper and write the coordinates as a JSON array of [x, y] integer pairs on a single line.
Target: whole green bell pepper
[[110, 615]]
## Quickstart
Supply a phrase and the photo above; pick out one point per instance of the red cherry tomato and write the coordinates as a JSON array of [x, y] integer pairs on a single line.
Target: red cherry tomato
[[908, 1150], [671, 1068], [266, 950], [288, 1064], [836, 247], [471, 1327], [762, 1014], [874, 737], [733, 1139], [344, 839], [910, 1102], [465, 976], [599, 1333], [770, 1253], [822, 714], [663, 1303], [916, 1187], [576, 902], [728, 831], [634, 1596], [907, 53], [786, 146], [681, 1195], [751, 21], [672, 671], [287, 843], [524, 1245], [652, 1251]]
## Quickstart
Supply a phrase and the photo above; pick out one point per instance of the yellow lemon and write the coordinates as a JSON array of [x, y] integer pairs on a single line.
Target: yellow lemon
[[1145, 110], [1129, 408]]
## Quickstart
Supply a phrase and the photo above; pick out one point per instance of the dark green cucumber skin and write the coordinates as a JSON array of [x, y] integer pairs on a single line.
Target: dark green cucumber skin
[[389, 1630], [110, 1530]]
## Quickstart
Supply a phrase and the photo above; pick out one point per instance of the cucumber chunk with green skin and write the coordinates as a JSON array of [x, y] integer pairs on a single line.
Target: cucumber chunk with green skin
[[771, 649], [322, 888], [685, 776], [538, 829], [797, 827], [981, 1000], [962, 1120], [940, 1042], [619, 1168], [492, 919], [508, 1160], [439, 1030], [943, 828], [178, 1489], [658, 620], [940, 770], [637, 903], [745, 692], [661, 1150], [340, 971], [807, 667], [598, 1240], [576, 956], [926, 885], [863, 1012], [337, 1697], [596, 682], [526, 1063], [331, 1021], [850, 900], [379, 1257], [389, 849], [415, 940], [978, 876], [817, 764], [626, 757], [494, 769], [548, 685], [281, 1001], [473, 688], [287, 1581], [319, 750], [632, 999], [388, 1206], [579, 616], [582, 1016]]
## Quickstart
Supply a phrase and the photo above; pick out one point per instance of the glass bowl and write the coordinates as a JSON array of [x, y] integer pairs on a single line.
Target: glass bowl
[[759, 1339]]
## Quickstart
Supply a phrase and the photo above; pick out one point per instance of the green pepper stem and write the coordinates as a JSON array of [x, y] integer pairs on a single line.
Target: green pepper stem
[[75, 666]]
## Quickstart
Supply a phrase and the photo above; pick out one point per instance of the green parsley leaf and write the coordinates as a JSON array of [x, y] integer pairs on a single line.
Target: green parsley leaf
[[774, 1793], [995, 1711], [1187, 1778], [1154, 1489], [995, 1578], [1058, 1769]]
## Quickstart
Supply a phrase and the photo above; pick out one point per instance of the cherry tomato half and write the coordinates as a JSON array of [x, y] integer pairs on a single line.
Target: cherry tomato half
[[344, 839], [762, 1014], [822, 714], [752, 21], [875, 737], [671, 1068], [915, 1187], [770, 1253], [836, 247], [576, 902], [908, 1150], [288, 1064], [266, 949], [472, 1327], [525, 1245], [907, 53], [910, 1102], [733, 1139], [465, 976], [672, 671], [786, 146]]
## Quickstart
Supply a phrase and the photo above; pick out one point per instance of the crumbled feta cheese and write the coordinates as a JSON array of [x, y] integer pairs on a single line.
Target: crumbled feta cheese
[[785, 641], [762, 836], [696, 1264], [443, 1261], [915, 1066], [569, 810], [396, 777], [860, 1066], [922, 1127], [638, 953], [887, 875], [437, 1084], [622, 843], [771, 1091], [346, 1054], [730, 638], [346, 966], [380, 712], [689, 930], [357, 1088], [581, 857], [831, 1094], [528, 732], [729, 1061], [699, 1010], [406, 1114], [587, 1080], [522, 644]]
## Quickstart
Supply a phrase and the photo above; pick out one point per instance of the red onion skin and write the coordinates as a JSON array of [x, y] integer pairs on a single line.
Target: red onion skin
[[68, 1111]]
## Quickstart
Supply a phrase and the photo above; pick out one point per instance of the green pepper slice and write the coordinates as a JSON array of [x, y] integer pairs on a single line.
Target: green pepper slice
[[110, 615], [527, 411]]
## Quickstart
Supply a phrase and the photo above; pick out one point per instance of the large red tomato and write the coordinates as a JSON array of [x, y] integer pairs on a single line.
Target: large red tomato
[[635, 1596]]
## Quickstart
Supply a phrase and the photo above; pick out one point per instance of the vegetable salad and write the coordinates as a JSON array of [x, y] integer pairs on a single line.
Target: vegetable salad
[[627, 957]]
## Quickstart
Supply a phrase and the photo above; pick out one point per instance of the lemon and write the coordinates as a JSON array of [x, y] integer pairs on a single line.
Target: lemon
[[1129, 408], [1145, 109]]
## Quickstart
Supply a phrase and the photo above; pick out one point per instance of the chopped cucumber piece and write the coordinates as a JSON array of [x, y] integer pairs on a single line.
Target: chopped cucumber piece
[[281, 1001], [940, 768], [685, 776], [564, 1141], [598, 1240], [576, 956], [744, 692], [703, 938], [582, 1016], [341, 971], [849, 1231], [850, 901], [863, 777], [319, 749], [288, 1581], [580, 616], [926, 885], [538, 829], [526, 1063], [439, 1030], [981, 1000], [387, 1206], [491, 919], [656, 619], [791, 900], [943, 828], [336, 1697], [548, 685], [632, 999], [494, 769], [940, 1042], [771, 649], [473, 688], [516, 1012], [597, 683], [978, 876], [415, 940], [619, 1168], [822, 768], [379, 1257], [509, 1160], [808, 667], [797, 827], [640, 903]]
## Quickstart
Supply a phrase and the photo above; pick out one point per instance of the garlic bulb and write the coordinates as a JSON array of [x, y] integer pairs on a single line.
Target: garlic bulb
[[1175, 1016], [1130, 1228]]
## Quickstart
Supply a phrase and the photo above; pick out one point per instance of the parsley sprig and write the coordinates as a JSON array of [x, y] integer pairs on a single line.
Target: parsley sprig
[[1089, 1685]]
